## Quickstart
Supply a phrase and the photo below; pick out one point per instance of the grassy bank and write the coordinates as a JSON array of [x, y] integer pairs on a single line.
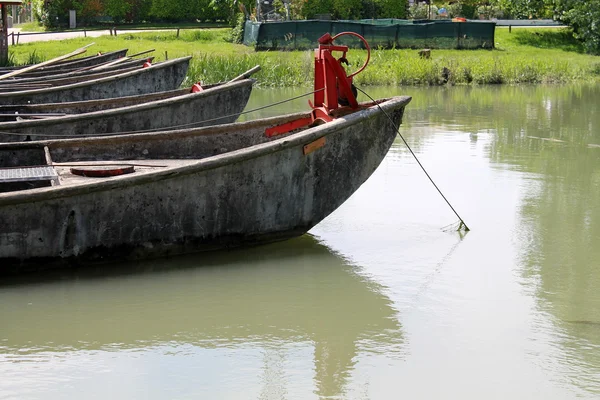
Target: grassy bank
[[524, 56]]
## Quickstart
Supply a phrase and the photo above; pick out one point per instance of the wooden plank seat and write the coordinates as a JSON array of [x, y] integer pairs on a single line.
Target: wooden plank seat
[[21, 178], [26, 174]]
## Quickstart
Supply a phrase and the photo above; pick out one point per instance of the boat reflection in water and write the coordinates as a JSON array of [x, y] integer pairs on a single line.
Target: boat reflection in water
[[294, 293]]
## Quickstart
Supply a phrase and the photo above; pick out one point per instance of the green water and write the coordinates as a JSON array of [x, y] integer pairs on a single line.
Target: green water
[[379, 301]]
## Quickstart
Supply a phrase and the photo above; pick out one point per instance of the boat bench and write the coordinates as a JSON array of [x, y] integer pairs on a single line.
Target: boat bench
[[13, 178]]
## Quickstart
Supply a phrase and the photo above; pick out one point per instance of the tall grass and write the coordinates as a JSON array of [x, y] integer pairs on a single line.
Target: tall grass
[[523, 56], [291, 69]]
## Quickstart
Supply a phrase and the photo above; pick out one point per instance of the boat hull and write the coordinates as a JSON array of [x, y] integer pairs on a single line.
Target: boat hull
[[69, 64], [70, 77], [164, 76], [245, 195], [218, 105]]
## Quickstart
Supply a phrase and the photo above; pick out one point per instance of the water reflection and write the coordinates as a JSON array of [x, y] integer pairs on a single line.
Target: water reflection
[[514, 312], [270, 297], [549, 135], [559, 225]]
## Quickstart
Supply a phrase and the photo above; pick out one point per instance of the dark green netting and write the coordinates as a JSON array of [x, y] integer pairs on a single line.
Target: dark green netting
[[385, 33]]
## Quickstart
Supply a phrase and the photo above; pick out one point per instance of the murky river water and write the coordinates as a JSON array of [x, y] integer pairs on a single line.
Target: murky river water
[[379, 302]]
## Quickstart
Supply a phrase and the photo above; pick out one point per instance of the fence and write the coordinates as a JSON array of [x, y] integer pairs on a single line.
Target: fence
[[388, 33], [15, 38]]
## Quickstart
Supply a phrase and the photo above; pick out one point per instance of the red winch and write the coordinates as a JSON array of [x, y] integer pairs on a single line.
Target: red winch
[[333, 87]]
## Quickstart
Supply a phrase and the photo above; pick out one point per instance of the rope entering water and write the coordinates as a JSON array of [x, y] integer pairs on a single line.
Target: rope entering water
[[462, 225]]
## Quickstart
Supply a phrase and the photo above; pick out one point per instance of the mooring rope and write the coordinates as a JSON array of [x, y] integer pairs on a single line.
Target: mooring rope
[[190, 125], [461, 225], [462, 222]]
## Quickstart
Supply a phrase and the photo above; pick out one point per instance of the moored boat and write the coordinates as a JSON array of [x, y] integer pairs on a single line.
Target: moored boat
[[141, 195], [163, 76], [215, 104], [189, 190], [16, 85], [62, 78], [72, 64]]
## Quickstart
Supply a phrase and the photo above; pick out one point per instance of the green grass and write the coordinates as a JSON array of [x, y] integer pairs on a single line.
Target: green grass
[[30, 27], [528, 55]]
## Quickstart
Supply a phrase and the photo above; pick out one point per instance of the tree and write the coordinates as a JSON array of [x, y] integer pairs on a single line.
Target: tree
[[584, 18], [392, 9], [525, 9]]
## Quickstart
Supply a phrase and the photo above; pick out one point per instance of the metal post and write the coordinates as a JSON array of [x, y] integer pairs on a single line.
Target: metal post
[[177, 32]]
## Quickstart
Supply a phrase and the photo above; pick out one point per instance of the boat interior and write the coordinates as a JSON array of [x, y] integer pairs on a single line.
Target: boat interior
[[30, 165]]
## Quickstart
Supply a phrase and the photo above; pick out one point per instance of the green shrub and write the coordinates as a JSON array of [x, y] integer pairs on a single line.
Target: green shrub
[[237, 33]]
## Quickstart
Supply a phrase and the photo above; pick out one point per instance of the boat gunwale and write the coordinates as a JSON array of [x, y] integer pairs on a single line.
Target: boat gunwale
[[203, 164], [61, 64], [125, 66], [175, 99], [163, 64]]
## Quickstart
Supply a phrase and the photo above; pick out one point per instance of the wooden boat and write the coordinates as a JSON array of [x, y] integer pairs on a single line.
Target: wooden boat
[[54, 79], [188, 190], [72, 64], [129, 196], [216, 104], [14, 85], [162, 76]]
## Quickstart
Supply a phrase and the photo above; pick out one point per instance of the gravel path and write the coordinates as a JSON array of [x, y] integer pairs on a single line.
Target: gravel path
[[28, 37]]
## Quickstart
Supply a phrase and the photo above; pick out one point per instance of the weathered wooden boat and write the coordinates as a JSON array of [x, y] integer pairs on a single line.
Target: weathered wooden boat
[[72, 64], [163, 76], [20, 84], [129, 196], [215, 104], [62, 77], [188, 190]]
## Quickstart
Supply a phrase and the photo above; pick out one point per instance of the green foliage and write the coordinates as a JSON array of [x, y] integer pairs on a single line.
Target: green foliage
[[391, 9], [526, 9], [53, 14], [313, 7], [34, 58], [584, 18], [422, 11], [117, 9], [348, 9], [138, 10], [488, 11], [237, 33]]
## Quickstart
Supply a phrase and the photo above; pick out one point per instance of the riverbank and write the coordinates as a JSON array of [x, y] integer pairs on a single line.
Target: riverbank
[[532, 55]]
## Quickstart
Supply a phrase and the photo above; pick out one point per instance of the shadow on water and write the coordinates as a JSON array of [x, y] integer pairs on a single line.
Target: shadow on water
[[296, 291]]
